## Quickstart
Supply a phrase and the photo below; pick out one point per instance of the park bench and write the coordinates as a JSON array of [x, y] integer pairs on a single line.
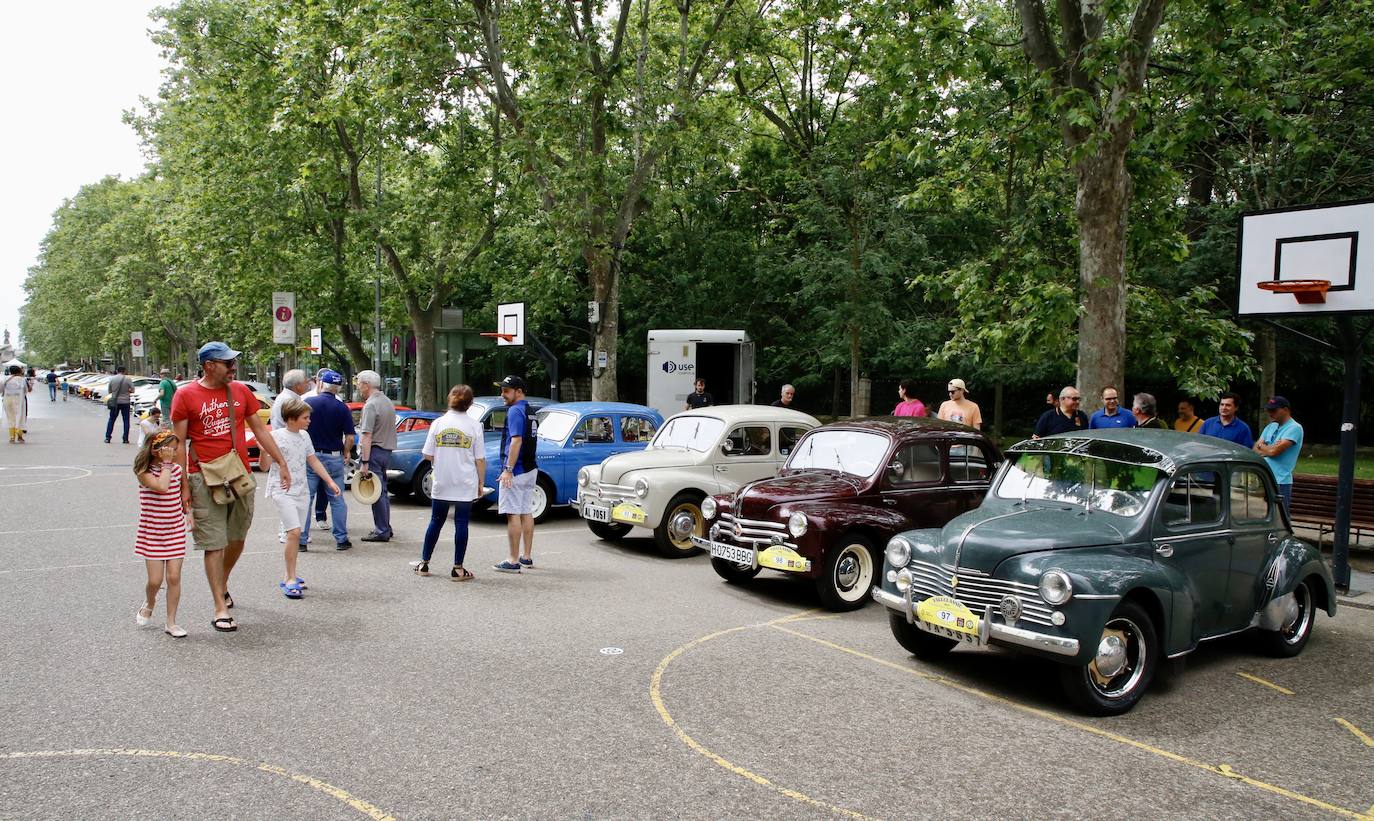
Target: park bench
[[1314, 504]]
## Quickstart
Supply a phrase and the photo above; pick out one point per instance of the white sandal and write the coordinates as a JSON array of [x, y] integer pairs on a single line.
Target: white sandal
[[174, 632], [140, 619]]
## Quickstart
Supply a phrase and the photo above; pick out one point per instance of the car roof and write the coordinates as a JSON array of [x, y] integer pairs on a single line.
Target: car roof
[[1175, 446], [897, 425], [734, 414], [602, 407]]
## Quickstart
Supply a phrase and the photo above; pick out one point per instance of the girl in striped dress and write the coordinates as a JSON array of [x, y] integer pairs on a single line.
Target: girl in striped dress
[[162, 524]]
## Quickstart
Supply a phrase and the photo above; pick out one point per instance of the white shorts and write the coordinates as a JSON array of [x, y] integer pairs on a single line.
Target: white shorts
[[292, 509], [519, 497]]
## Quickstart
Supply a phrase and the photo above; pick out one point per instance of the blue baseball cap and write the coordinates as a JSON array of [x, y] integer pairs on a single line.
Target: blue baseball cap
[[329, 377], [217, 350]]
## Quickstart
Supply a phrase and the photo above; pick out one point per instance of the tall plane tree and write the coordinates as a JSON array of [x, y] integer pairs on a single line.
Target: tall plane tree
[[1096, 68]]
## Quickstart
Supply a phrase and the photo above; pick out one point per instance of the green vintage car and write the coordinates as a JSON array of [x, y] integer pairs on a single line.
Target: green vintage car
[[1110, 551]]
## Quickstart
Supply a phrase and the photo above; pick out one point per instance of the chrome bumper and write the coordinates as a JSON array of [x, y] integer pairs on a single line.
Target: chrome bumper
[[992, 631]]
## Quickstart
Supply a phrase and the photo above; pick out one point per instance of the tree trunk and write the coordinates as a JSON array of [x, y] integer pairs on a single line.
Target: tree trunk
[[422, 324], [1104, 196], [855, 334], [1266, 351], [354, 344], [605, 286]]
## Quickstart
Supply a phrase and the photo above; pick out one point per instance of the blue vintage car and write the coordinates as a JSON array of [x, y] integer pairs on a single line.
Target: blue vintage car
[[412, 428], [571, 436], [1110, 551]]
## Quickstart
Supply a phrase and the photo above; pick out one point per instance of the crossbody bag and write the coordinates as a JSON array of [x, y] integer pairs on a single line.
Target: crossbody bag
[[225, 476]]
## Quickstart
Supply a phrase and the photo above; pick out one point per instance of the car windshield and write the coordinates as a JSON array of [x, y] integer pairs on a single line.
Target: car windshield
[[554, 425], [698, 433], [1098, 484], [855, 452]]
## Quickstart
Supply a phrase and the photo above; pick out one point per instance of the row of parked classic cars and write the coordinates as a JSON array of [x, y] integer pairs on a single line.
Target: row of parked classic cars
[[1113, 553]]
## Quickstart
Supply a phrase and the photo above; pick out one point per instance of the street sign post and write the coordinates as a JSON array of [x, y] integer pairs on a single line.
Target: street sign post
[[316, 340], [136, 342], [284, 317]]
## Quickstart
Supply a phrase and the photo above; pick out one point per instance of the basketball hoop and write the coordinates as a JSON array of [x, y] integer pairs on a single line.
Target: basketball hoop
[[497, 335], [1305, 291]]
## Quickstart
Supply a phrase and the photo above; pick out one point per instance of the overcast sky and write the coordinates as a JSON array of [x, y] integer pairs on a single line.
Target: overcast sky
[[68, 70]]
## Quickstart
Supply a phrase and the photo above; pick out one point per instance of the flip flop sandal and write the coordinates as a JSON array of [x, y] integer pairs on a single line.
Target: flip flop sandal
[[292, 590], [224, 625]]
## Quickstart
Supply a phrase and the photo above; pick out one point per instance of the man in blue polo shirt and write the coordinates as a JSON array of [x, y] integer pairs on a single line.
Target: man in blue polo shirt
[[519, 474], [1111, 415], [1226, 425], [331, 432], [1280, 443], [1064, 417]]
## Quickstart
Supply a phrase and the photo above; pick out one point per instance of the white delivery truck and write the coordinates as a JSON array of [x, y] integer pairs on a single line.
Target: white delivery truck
[[677, 357]]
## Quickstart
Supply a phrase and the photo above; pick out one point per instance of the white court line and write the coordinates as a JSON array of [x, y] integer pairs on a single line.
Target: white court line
[[62, 529], [83, 475]]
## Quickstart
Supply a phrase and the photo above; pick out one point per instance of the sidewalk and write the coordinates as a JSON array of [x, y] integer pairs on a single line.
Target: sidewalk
[[1361, 591]]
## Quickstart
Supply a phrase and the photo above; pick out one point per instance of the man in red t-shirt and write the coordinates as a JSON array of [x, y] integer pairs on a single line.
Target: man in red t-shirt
[[200, 419]]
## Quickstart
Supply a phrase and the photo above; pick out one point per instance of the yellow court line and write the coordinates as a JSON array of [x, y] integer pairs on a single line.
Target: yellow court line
[[1217, 769], [1269, 684], [656, 695], [370, 810], [1368, 742]]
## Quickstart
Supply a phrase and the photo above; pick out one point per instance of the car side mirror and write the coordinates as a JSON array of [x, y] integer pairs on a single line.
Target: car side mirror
[[895, 470], [580, 438]]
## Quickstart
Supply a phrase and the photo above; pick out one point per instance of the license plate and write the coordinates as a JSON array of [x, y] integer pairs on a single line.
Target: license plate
[[732, 553], [596, 513], [630, 514], [949, 618]]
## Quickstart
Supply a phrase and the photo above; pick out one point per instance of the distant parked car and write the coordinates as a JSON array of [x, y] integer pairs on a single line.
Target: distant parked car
[[415, 420], [1109, 551], [695, 454], [846, 489]]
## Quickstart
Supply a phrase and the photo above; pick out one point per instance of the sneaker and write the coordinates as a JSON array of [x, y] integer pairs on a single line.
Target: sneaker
[[304, 547], [528, 564], [376, 537], [344, 545], [507, 567], [319, 517]]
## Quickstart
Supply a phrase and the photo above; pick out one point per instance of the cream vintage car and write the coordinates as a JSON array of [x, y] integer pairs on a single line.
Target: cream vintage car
[[695, 454]]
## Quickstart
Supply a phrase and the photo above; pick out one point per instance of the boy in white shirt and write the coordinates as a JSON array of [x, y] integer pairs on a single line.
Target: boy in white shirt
[[294, 505]]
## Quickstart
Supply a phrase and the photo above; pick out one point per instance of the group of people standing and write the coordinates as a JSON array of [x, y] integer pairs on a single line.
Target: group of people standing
[[304, 452]]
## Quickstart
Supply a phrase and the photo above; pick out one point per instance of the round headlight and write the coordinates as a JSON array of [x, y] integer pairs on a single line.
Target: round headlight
[[903, 580], [796, 524], [1055, 587], [708, 508], [898, 552], [584, 477], [641, 488]]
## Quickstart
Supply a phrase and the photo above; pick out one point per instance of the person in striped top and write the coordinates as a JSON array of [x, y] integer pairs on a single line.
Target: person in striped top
[[162, 521]]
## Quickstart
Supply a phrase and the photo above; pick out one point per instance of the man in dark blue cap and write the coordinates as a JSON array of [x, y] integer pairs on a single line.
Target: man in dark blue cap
[[331, 432], [519, 474], [209, 416]]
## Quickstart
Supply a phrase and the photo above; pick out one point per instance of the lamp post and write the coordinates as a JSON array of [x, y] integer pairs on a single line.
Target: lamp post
[[377, 278]]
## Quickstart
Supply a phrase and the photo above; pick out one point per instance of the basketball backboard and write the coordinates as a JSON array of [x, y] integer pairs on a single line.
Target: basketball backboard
[[1332, 243], [510, 319]]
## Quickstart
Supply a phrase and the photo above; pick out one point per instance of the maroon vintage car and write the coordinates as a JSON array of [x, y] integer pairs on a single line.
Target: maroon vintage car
[[845, 490]]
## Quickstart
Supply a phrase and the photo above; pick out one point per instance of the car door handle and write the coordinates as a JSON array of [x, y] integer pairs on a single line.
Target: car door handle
[[890, 502], [722, 468], [1165, 550], [1272, 538]]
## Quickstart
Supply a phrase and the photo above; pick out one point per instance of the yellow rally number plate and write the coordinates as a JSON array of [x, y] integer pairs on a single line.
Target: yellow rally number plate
[[782, 558], [631, 514], [942, 611]]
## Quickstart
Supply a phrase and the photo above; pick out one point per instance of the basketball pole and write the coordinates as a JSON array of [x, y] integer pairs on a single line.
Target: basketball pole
[[1352, 351]]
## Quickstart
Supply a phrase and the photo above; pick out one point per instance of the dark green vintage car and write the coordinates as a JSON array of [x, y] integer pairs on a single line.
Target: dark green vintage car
[[1110, 552]]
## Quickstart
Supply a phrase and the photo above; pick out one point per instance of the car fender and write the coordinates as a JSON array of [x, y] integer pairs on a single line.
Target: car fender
[[1101, 580], [667, 483], [1294, 561], [828, 520]]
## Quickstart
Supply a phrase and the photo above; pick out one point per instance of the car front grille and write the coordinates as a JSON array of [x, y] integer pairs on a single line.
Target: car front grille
[[598, 490], [754, 532], [977, 591]]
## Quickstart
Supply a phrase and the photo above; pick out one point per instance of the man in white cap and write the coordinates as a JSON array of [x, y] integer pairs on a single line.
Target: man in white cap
[[378, 439], [959, 408], [209, 428]]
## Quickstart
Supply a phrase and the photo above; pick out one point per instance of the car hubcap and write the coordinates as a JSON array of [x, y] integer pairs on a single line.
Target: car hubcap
[[852, 572], [1296, 616], [427, 484], [682, 525], [539, 501], [1120, 660]]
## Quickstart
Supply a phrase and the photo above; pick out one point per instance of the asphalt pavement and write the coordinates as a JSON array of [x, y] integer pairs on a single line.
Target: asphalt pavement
[[606, 683]]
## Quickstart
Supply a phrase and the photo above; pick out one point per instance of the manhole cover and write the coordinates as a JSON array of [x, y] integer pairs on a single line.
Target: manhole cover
[[611, 651]]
